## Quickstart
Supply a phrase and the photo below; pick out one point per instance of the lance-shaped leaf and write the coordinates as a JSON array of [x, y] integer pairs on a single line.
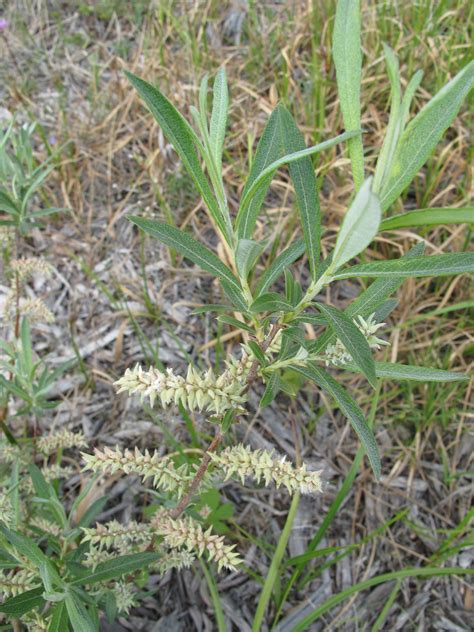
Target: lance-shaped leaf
[[188, 247], [429, 217], [220, 104], [347, 56], [16, 607], [370, 299], [423, 133], [263, 180], [184, 140], [395, 371], [246, 254], [79, 616], [360, 225], [352, 338], [348, 407], [436, 265], [304, 182], [122, 565], [270, 302], [284, 259], [269, 149]]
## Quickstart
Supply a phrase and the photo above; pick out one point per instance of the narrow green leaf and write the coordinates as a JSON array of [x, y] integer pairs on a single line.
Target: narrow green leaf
[[271, 390], [268, 150], [347, 56], [304, 182], [284, 259], [360, 225], [81, 620], [235, 296], [395, 123], [246, 254], [184, 140], [211, 307], [25, 546], [353, 340], [262, 179], [233, 322], [59, 618], [123, 565], [423, 133], [436, 265], [429, 217], [188, 247], [220, 106], [349, 408], [16, 607], [416, 373], [270, 302]]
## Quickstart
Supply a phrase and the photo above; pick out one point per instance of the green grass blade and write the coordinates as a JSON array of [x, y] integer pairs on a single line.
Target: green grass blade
[[436, 265], [423, 133], [347, 56], [188, 247], [348, 407], [180, 134], [430, 217], [352, 338], [375, 581]]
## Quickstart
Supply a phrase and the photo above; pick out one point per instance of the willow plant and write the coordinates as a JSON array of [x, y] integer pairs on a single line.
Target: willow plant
[[271, 309]]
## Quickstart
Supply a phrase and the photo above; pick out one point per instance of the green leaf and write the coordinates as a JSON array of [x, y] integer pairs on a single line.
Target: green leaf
[[81, 620], [7, 204], [25, 546], [220, 105], [284, 259], [347, 56], [353, 340], [270, 302], [246, 254], [212, 307], [304, 182], [262, 181], [188, 247], [235, 297], [271, 390], [360, 225], [349, 408], [423, 133], [21, 604], [268, 150], [233, 322], [436, 265], [181, 135], [395, 123], [257, 352], [59, 618], [416, 373], [429, 217], [123, 565]]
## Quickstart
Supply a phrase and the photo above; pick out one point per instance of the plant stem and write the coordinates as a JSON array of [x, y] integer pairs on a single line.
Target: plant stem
[[185, 500], [333, 509], [267, 589]]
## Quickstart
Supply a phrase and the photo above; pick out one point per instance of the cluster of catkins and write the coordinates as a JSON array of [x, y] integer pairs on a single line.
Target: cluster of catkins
[[183, 538], [33, 308]]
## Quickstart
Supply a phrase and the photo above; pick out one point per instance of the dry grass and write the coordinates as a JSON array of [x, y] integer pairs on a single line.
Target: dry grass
[[64, 70]]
